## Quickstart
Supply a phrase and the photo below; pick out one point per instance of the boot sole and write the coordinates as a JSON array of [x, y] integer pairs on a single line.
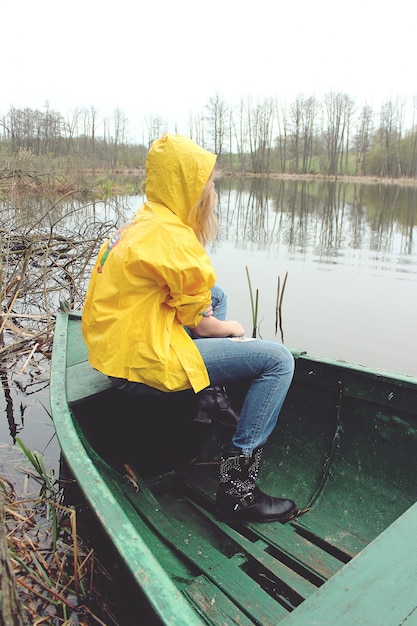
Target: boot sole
[[230, 518]]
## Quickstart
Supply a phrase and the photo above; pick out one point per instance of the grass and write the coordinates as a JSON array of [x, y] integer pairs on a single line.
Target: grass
[[52, 568]]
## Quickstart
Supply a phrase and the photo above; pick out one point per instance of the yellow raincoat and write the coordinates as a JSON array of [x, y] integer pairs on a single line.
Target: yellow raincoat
[[154, 278]]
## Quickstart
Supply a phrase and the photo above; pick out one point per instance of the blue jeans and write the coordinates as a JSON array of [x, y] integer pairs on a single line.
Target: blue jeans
[[219, 302], [266, 366]]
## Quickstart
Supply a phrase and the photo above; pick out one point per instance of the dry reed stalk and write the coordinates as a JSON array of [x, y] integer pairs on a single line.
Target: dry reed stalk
[[27, 316], [40, 570], [20, 332], [60, 566], [12, 283], [16, 515], [28, 359], [9, 310], [45, 587], [73, 520]]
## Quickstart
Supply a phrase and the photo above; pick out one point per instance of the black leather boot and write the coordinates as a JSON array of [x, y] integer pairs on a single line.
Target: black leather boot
[[214, 404], [239, 499]]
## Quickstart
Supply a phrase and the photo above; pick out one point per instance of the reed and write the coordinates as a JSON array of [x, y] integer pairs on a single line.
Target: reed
[[49, 491], [278, 306], [52, 568], [254, 305]]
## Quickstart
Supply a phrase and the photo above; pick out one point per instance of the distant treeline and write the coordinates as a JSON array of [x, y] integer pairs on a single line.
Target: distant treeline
[[330, 137]]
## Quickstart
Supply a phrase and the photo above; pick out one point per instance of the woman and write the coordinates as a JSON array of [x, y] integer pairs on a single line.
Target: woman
[[154, 320]]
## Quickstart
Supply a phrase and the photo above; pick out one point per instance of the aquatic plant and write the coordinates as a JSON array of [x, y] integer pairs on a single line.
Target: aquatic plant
[[278, 306], [53, 570], [254, 304]]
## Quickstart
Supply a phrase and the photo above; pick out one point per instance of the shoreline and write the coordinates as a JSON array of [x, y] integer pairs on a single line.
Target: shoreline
[[107, 182]]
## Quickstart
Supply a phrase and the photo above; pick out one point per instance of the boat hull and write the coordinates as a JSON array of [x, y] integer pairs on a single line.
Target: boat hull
[[344, 448]]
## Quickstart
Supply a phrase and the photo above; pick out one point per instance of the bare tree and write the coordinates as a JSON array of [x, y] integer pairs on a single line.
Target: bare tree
[[363, 139], [72, 130], [196, 128], [260, 129], [89, 128], [40, 132], [302, 116], [240, 134], [93, 119], [338, 108], [308, 129], [217, 118], [411, 139], [390, 134], [156, 127], [282, 138], [296, 114]]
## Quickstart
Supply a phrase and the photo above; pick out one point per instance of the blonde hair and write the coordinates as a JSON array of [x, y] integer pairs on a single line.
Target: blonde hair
[[202, 217]]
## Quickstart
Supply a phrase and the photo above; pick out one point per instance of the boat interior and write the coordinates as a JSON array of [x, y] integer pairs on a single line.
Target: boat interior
[[344, 449]]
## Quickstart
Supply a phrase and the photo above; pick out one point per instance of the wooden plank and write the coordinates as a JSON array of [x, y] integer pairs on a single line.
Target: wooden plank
[[83, 381], [295, 585], [314, 560], [317, 374], [319, 528], [76, 348], [378, 586], [383, 391], [224, 571], [213, 605], [307, 361], [298, 549], [410, 620]]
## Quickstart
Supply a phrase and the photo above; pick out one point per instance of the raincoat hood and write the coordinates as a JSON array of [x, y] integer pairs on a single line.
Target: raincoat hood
[[177, 170]]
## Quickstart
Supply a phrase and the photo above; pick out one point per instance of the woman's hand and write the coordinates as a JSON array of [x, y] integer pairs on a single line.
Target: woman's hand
[[236, 329], [210, 326], [208, 312]]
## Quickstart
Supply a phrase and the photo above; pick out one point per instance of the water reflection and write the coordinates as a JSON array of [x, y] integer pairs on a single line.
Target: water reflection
[[351, 260], [326, 217], [28, 213], [10, 413]]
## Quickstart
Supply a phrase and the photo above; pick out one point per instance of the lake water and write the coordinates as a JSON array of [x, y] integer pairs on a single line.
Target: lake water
[[351, 256], [349, 250]]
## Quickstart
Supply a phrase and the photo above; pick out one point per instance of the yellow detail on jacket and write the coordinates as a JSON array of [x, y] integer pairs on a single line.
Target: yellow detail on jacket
[[155, 279]]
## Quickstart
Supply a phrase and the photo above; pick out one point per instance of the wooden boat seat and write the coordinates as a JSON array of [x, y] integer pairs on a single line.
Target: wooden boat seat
[[376, 587], [83, 381]]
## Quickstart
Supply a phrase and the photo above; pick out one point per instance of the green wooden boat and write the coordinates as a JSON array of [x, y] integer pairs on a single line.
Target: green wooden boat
[[345, 449]]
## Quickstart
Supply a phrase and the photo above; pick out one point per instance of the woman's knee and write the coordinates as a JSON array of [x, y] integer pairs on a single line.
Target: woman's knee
[[217, 292], [219, 302], [282, 358]]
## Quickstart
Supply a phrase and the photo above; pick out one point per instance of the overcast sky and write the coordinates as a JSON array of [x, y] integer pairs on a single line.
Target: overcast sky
[[166, 58]]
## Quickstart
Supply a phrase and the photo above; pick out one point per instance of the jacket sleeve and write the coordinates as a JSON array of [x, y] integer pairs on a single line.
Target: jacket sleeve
[[189, 285], [172, 257]]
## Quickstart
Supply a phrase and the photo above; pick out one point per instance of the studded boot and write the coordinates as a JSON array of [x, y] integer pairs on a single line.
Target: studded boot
[[213, 404], [238, 497]]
